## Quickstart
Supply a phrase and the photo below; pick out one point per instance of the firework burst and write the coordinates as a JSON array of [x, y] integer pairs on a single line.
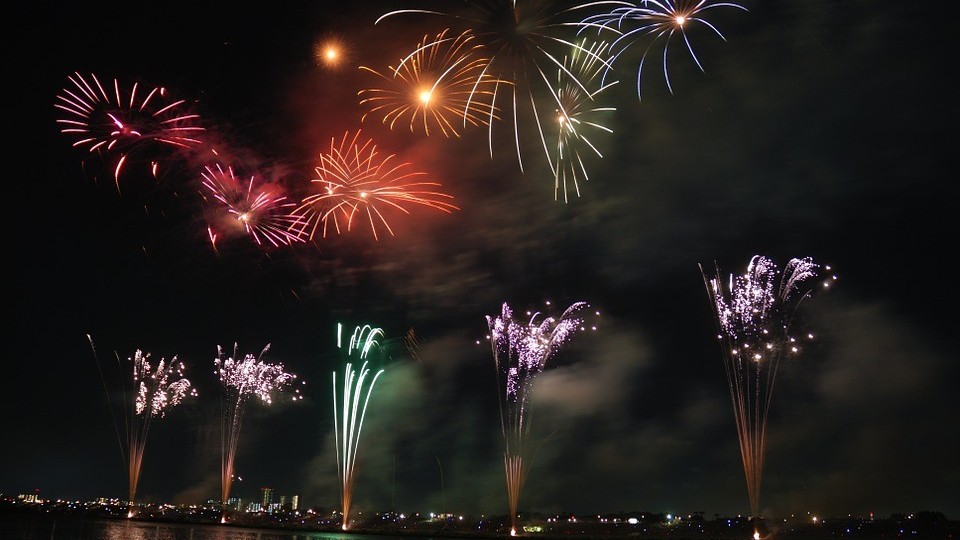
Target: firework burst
[[658, 22], [260, 210], [442, 82], [332, 52], [355, 399], [356, 183], [579, 116], [150, 393], [111, 121], [521, 42], [520, 352], [754, 314], [242, 380]]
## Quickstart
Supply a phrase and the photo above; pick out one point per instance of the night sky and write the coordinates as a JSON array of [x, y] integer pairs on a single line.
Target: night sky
[[818, 128]]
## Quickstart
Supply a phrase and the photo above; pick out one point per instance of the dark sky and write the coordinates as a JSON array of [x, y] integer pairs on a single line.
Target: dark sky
[[818, 128]]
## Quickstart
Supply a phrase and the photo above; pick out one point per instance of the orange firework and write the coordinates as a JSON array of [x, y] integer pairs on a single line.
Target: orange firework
[[521, 43], [331, 52], [355, 181], [111, 121], [443, 81]]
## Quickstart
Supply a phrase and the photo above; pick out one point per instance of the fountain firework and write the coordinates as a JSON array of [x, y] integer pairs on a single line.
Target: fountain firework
[[520, 352], [753, 315], [347, 430], [241, 380], [151, 393]]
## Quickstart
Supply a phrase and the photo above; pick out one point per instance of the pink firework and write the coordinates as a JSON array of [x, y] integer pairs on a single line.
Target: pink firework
[[356, 183], [108, 120], [262, 211], [243, 379], [520, 353]]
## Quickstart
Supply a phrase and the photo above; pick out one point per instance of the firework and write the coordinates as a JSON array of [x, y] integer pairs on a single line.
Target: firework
[[332, 52], [243, 380], [578, 115], [521, 43], [442, 82], [520, 352], [753, 314], [347, 429], [658, 22], [110, 121], [412, 343], [260, 210], [150, 393], [357, 183]]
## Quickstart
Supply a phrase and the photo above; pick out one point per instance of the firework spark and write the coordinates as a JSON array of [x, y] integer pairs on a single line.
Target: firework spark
[[442, 82], [356, 182], [150, 393], [520, 353], [579, 115], [332, 52], [111, 121], [243, 379], [347, 429], [521, 43], [412, 343], [658, 22], [260, 210], [753, 314]]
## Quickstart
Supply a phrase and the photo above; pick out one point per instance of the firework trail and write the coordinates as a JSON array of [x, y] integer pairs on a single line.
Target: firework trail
[[443, 81], [579, 115], [412, 343], [753, 314], [347, 429], [520, 352], [110, 121], [241, 381], [152, 392], [522, 42], [260, 210], [356, 182], [658, 22]]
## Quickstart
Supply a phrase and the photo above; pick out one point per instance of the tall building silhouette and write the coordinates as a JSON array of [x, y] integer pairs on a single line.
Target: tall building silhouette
[[266, 497]]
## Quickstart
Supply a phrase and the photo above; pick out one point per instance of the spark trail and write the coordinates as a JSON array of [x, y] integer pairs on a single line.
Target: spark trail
[[520, 352], [354, 400], [754, 313]]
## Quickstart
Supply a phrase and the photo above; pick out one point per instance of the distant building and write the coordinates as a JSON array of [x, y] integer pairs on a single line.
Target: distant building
[[294, 503], [236, 503], [254, 507], [266, 497]]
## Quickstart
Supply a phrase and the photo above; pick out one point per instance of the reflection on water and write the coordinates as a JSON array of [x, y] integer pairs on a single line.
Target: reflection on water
[[34, 527]]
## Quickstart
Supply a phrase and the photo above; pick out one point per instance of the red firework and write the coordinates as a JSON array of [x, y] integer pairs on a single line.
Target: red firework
[[262, 211], [355, 181], [110, 121]]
